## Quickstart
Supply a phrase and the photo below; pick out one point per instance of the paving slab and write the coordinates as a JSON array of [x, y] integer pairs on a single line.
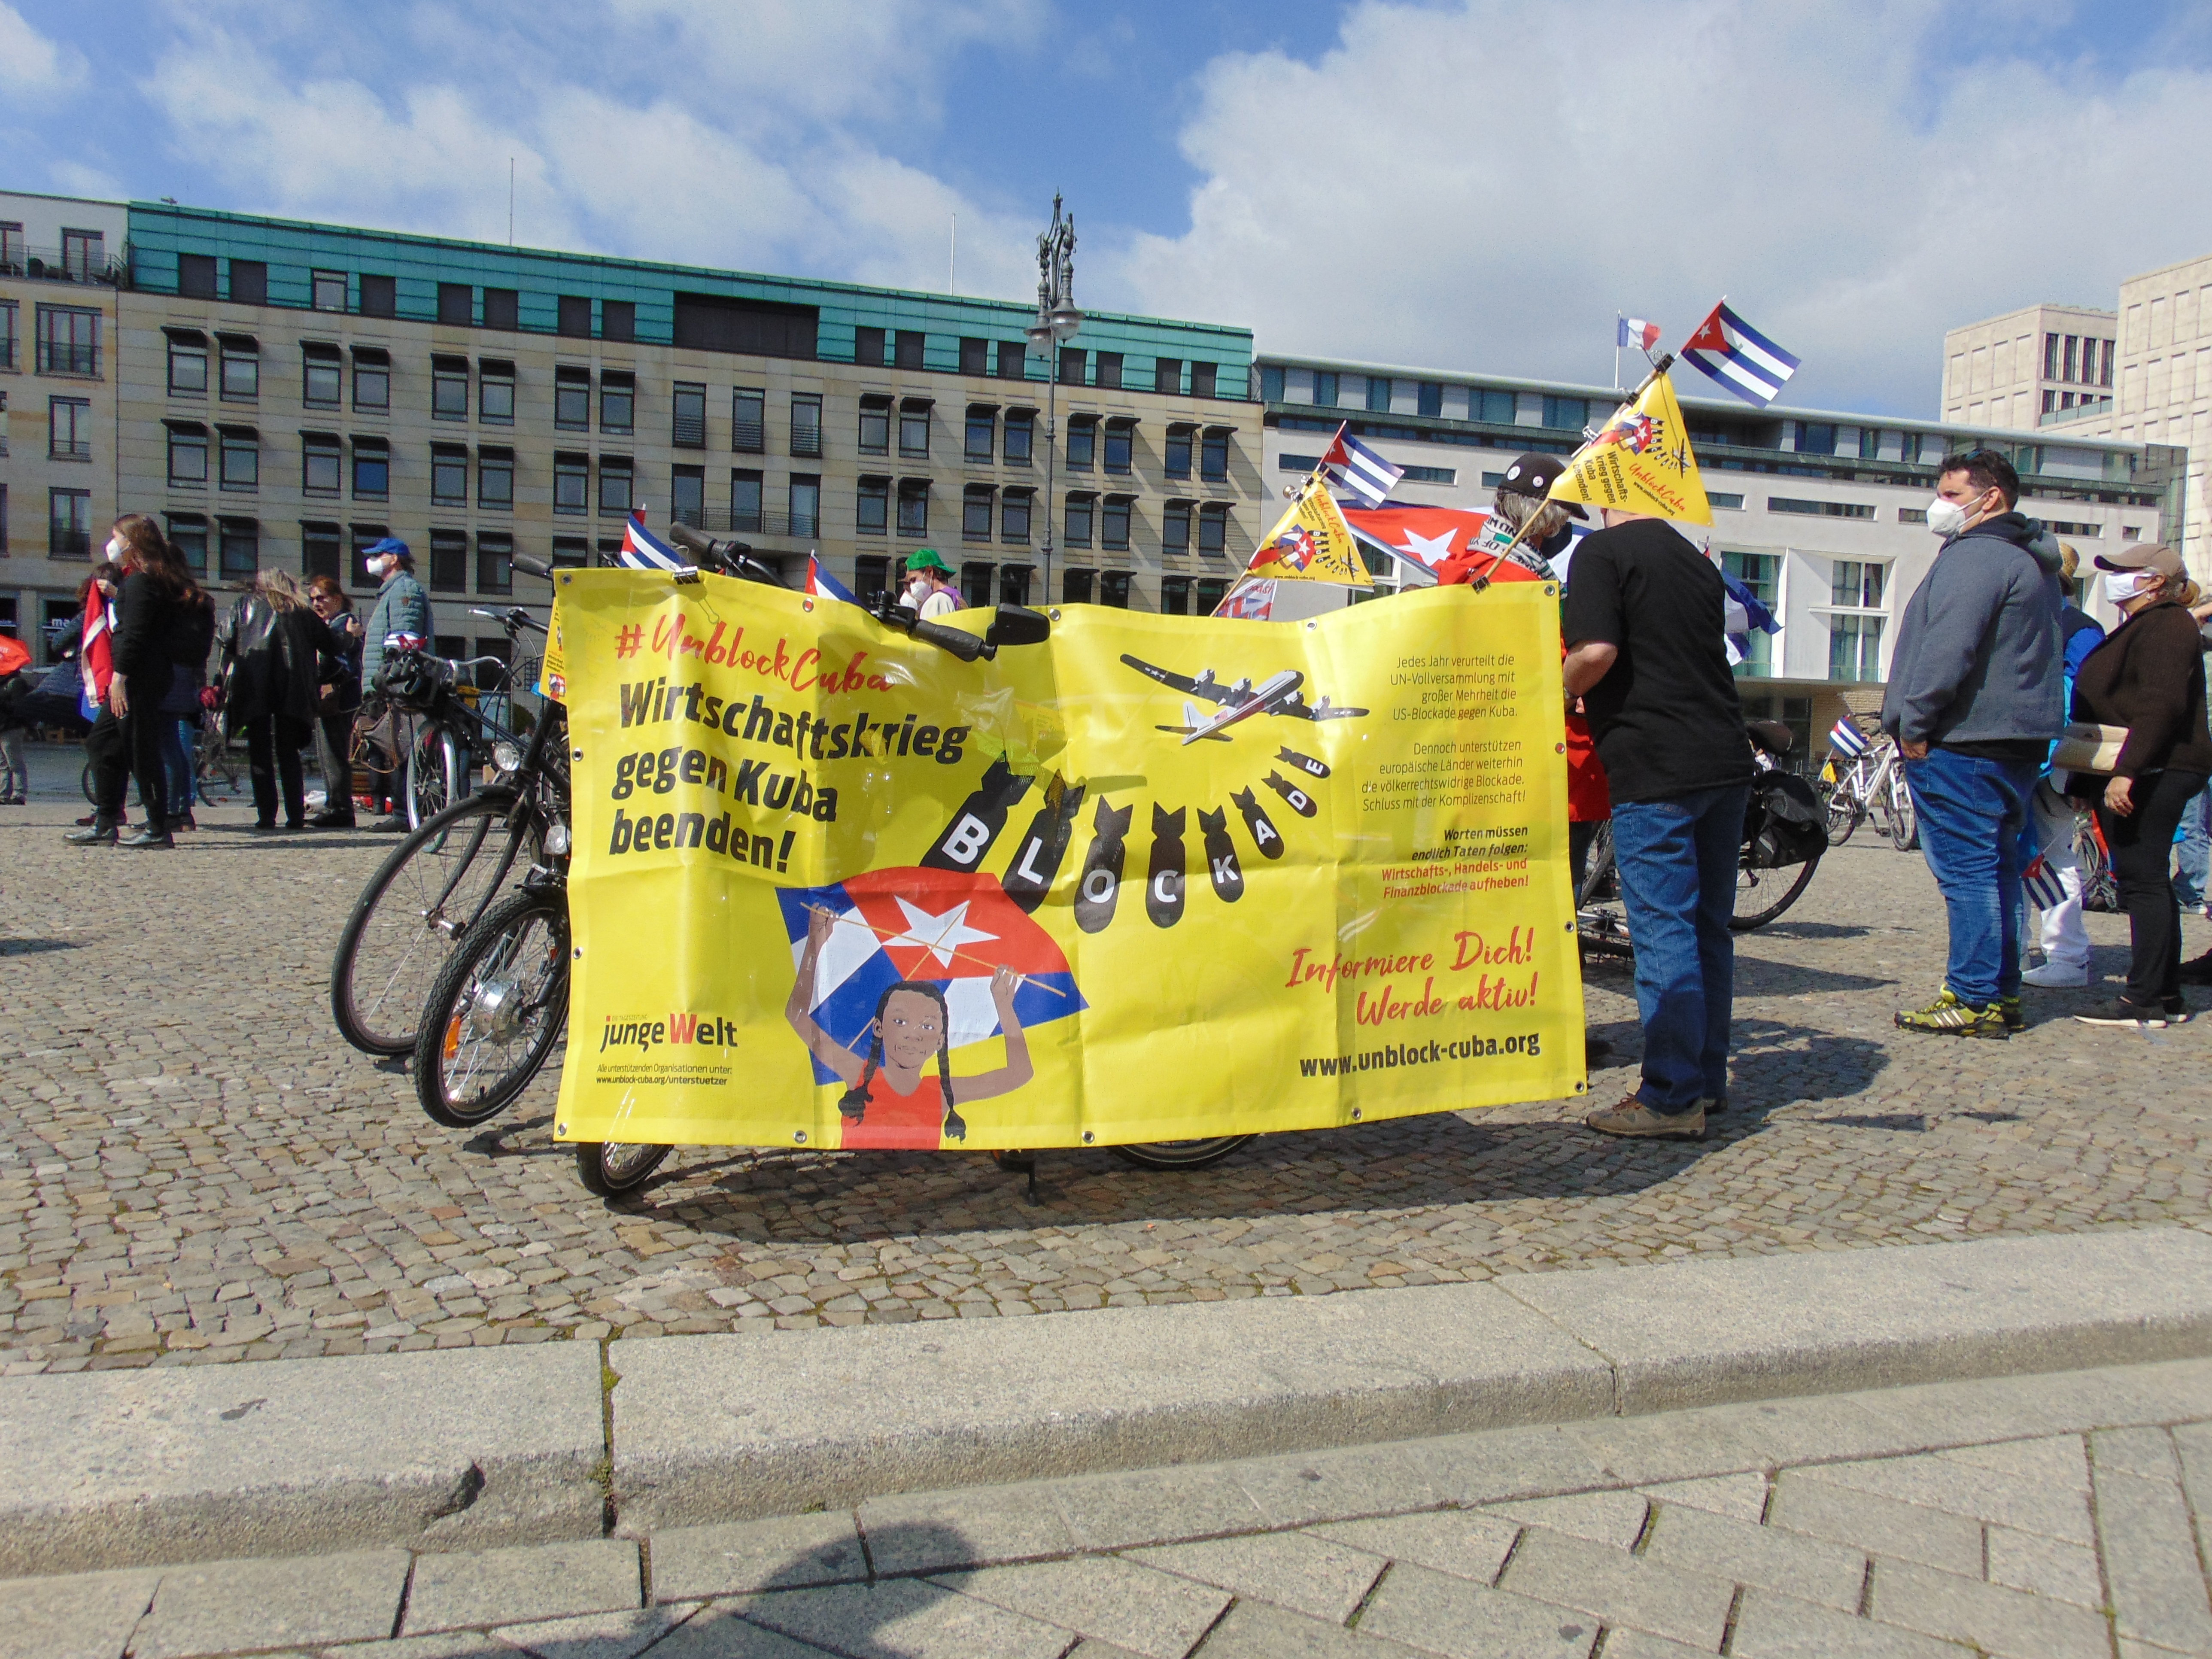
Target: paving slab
[[904, 1619], [924, 1532], [1772, 1626], [1745, 1553], [1886, 1526], [1451, 1540], [1616, 1518], [1254, 1630], [1130, 1605], [1439, 1613], [727, 1428], [592, 1636], [530, 1581], [792, 1552], [457, 1448], [1741, 1496], [717, 1632], [240, 1607], [1621, 1589], [1997, 1620], [77, 1616], [2152, 1559], [1294, 1569]]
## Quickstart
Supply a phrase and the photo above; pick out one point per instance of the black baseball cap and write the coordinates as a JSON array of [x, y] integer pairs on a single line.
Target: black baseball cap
[[1534, 475]]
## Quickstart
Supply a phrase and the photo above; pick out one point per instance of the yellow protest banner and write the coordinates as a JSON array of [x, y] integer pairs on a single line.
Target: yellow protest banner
[[1157, 878], [1641, 462], [1310, 543]]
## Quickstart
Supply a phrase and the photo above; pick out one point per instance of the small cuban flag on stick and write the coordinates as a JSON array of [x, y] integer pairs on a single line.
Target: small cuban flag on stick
[[823, 586], [1739, 356], [1351, 466], [1846, 740], [2044, 891], [643, 551]]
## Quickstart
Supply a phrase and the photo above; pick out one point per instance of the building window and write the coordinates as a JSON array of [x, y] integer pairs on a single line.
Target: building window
[[2105, 376], [572, 483], [1271, 385], [1855, 648], [9, 357], [1073, 361], [1014, 583], [1208, 595], [617, 401], [806, 424], [2050, 360], [1213, 454], [976, 513], [372, 470], [689, 429], [363, 536], [1378, 394], [1568, 414], [1014, 517], [745, 503], [1113, 524], [1855, 584], [188, 365], [976, 584], [329, 290], [875, 424], [1114, 589], [906, 348], [195, 276], [1440, 474], [241, 457], [2050, 401], [1324, 389], [1082, 442], [1819, 509], [1762, 573], [495, 480], [456, 305], [974, 356], [1013, 360], [321, 552], [1213, 528], [69, 428], [242, 367], [617, 486], [572, 316], [188, 535], [913, 429], [1167, 376], [239, 556], [1081, 509], [496, 564], [69, 523], [1175, 527], [449, 388], [1175, 596], [379, 295], [12, 252], [1021, 436], [502, 309], [319, 464], [687, 496], [913, 506], [1429, 399], [572, 399], [982, 433], [188, 456], [1120, 442], [1816, 438], [1075, 587], [83, 254], [868, 348], [1724, 498], [618, 320], [68, 340], [749, 421], [495, 393], [321, 376], [449, 561], [372, 380], [1109, 371], [805, 504], [1178, 450], [871, 579], [1493, 408], [449, 475], [571, 552], [872, 511]]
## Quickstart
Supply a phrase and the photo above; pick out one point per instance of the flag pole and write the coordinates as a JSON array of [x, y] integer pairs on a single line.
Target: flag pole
[[1619, 323]]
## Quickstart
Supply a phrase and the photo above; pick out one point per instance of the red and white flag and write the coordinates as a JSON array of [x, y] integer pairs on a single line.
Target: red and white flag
[[96, 656], [1253, 601]]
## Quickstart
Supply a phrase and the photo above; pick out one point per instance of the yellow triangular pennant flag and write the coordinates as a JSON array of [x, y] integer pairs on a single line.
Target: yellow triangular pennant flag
[[1641, 463], [1311, 542]]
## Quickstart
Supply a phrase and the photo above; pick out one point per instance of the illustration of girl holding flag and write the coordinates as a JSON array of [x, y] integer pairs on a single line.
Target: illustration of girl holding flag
[[888, 1101]]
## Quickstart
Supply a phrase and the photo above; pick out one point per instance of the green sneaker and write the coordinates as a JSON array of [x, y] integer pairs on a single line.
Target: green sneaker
[[1948, 1016], [2014, 1020]]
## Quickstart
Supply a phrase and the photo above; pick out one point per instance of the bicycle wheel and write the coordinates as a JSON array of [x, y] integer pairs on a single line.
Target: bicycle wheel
[[1178, 1154], [421, 898], [85, 783], [1904, 820], [496, 1011], [1763, 895], [1844, 811], [213, 763], [436, 774], [2100, 890], [609, 1168]]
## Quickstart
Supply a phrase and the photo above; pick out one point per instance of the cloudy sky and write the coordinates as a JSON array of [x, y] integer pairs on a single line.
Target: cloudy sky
[[1461, 183]]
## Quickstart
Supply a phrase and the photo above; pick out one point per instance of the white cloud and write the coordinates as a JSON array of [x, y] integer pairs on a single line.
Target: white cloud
[[1482, 186], [32, 66]]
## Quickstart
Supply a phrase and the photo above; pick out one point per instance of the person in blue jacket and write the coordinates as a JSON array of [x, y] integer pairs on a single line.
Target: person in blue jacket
[[2050, 829]]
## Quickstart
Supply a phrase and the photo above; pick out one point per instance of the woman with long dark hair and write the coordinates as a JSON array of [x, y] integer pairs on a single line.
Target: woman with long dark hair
[[338, 694], [154, 631], [271, 644]]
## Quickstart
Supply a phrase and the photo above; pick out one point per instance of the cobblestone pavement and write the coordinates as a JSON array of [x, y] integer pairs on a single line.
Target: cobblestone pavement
[[194, 1167], [2035, 1518]]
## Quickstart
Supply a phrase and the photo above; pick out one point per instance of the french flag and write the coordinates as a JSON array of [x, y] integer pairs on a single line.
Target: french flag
[[643, 551], [1739, 356], [1350, 465], [1635, 331], [823, 586]]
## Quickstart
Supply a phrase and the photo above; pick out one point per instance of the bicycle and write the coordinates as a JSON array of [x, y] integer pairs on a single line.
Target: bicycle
[[212, 761], [439, 766], [1871, 785]]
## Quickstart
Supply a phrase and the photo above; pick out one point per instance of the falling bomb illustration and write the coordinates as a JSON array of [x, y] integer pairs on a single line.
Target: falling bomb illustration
[[1301, 803], [1262, 828], [978, 822], [1037, 856], [1100, 887], [1305, 763], [1221, 861], [1164, 881]]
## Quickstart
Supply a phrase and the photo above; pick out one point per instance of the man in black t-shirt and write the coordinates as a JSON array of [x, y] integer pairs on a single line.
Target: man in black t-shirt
[[1644, 624]]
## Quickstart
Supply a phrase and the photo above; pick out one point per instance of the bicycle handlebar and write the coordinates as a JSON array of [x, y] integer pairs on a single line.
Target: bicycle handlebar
[[531, 567]]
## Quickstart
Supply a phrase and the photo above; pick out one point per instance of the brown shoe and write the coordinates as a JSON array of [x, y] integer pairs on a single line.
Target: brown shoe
[[1633, 1117]]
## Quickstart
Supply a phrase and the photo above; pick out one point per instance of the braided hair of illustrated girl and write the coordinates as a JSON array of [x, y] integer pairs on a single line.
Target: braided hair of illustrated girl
[[853, 1103]]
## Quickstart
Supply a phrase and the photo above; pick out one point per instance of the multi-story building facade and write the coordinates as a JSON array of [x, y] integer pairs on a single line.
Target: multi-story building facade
[[2029, 368], [61, 268], [1821, 514], [285, 393]]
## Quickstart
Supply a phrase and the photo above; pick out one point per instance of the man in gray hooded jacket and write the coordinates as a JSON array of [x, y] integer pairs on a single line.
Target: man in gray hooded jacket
[[1975, 696]]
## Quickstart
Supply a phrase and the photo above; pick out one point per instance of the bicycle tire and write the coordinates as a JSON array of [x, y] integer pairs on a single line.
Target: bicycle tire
[[608, 1169], [1178, 1154], [417, 905], [436, 775], [1746, 922], [498, 1008], [1843, 807], [85, 783], [1903, 819]]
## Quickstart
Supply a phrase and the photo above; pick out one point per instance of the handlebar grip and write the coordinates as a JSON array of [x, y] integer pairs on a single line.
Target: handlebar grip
[[685, 537], [965, 646], [531, 567]]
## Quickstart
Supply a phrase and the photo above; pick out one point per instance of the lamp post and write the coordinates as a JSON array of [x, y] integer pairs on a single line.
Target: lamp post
[[1056, 321]]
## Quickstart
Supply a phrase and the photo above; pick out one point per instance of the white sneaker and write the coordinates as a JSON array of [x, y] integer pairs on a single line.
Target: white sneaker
[[2056, 976]]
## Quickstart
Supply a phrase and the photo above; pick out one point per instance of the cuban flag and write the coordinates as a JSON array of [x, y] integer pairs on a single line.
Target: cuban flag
[[643, 551], [1635, 331], [950, 928], [96, 656], [1847, 740], [1739, 356], [1351, 467], [823, 586], [2042, 885], [1251, 602]]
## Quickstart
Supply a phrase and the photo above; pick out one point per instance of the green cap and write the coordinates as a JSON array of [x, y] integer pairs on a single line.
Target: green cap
[[925, 559]]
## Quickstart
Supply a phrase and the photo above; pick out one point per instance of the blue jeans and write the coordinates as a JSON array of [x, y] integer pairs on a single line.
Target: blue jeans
[[1971, 811], [179, 754], [2193, 852], [1678, 860]]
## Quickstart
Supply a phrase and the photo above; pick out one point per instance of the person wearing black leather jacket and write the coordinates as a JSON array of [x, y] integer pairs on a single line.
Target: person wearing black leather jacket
[[270, 643]]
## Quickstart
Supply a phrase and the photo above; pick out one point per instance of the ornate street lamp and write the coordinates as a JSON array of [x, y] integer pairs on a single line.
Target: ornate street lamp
[[1056, 322]]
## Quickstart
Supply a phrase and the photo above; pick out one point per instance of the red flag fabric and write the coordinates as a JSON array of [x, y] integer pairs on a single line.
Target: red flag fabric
[[97, 651]]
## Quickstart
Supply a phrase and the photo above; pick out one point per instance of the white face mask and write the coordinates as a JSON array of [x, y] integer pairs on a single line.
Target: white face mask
[[115, 550], [1946, 518], [2121, 586]]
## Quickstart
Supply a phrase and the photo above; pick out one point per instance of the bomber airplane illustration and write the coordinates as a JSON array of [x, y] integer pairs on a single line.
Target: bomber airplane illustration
[[1240, 700]]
